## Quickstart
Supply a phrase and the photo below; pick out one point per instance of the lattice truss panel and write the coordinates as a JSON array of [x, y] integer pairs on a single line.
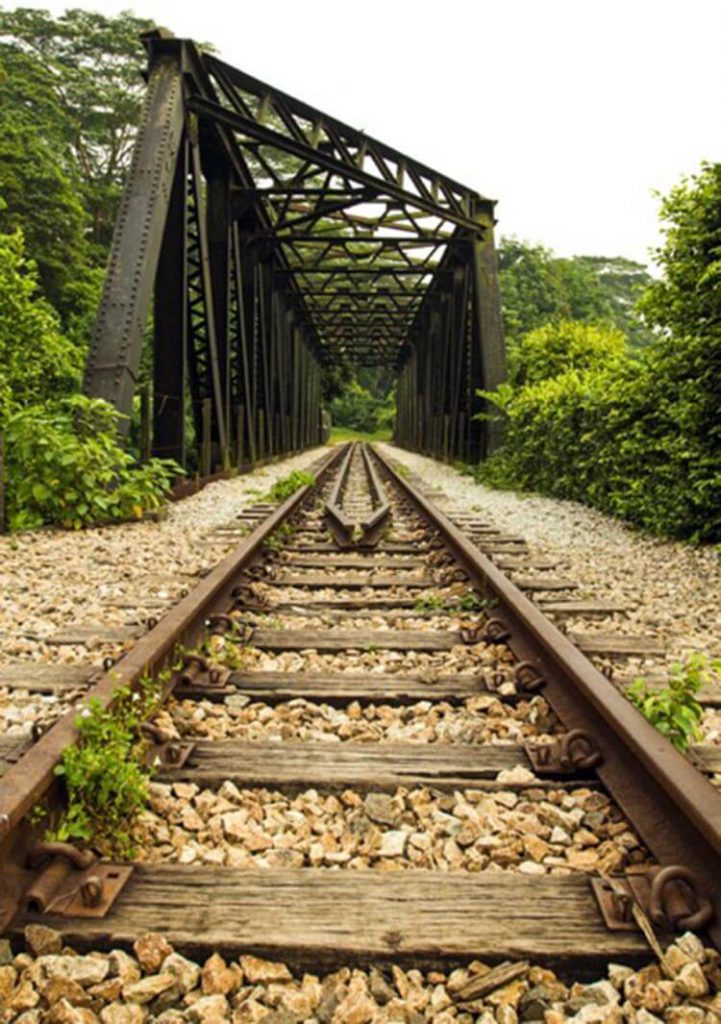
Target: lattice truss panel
[[363, 228]]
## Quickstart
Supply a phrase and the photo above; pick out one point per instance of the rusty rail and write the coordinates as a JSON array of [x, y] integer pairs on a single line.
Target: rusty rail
[[341, 526], [26, 782], [675, 810], [373, 526]]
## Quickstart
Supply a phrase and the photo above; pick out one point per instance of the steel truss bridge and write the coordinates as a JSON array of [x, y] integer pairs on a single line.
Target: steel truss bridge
[[264, 242]]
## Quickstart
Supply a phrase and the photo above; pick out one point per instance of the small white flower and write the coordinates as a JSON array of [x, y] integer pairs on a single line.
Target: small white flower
[[85, 713], [136, 696]]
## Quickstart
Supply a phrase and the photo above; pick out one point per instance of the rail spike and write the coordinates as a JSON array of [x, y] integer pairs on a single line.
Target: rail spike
[[528, 677], [667, 906], [575, 751]]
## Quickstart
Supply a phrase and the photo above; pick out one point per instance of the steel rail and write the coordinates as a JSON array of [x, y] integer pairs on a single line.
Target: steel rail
[[341, 526], [373, 524], [674, 809], [27, 781]]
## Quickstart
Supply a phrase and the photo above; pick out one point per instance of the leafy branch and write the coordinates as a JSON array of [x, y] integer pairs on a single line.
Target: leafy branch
[[675, 710]]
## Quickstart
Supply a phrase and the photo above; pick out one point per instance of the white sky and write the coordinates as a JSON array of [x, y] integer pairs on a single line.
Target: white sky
[[569, 113]]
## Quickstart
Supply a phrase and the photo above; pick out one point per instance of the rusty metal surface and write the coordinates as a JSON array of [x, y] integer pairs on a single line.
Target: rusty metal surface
[[373, 526], [675, 810], [340, 525]]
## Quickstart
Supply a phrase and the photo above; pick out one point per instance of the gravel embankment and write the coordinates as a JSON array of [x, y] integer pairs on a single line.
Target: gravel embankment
[[672, 590], [55, 579]]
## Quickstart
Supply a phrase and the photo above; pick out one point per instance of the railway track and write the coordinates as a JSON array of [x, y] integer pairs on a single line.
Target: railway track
[[377, 751]]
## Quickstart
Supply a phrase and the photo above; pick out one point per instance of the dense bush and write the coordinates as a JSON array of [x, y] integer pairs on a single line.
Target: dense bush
[[358, 409], [561, 346], [623, 436], [36, 360], [66, 467]]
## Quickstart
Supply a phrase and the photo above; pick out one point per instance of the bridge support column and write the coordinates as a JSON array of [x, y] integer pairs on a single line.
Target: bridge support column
[[170, 326], [488, 363], [114, 358]]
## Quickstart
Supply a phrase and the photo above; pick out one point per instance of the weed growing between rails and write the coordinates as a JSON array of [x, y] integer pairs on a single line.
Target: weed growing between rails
[[468, 601], [675, 710], [288, 485], [105, 777], [277, 540]]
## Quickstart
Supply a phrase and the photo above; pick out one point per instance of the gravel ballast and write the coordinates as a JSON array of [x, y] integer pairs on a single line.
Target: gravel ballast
[[535, 832], [672, 590], [158, 984]]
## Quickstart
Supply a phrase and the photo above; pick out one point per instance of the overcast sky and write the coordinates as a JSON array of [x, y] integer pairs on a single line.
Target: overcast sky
[[569, 112]]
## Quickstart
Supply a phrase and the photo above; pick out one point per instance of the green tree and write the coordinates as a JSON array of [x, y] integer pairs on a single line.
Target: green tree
[[36, 361], [685, 304], [93, 63], [687, 300], [623, 283], [635, 433], [38, 185], [530, 291], [538, 288]]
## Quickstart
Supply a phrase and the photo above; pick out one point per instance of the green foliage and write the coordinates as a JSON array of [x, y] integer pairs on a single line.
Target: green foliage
[[85, 68], [65, 467], [36, 360], [687, 300], [538, 287], [38, 184], [624, 283], [675, 710], [358, 409], [430, 603], [565, 345], [339, 435], [288, 485], [470, 601], [105, 779], [632, 435], [277, 539]]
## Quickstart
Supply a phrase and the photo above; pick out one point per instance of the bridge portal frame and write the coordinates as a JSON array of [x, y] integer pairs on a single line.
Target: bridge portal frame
[[272, 242]]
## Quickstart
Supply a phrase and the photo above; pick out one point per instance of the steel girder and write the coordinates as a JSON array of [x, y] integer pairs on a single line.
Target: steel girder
[[272, 240]]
